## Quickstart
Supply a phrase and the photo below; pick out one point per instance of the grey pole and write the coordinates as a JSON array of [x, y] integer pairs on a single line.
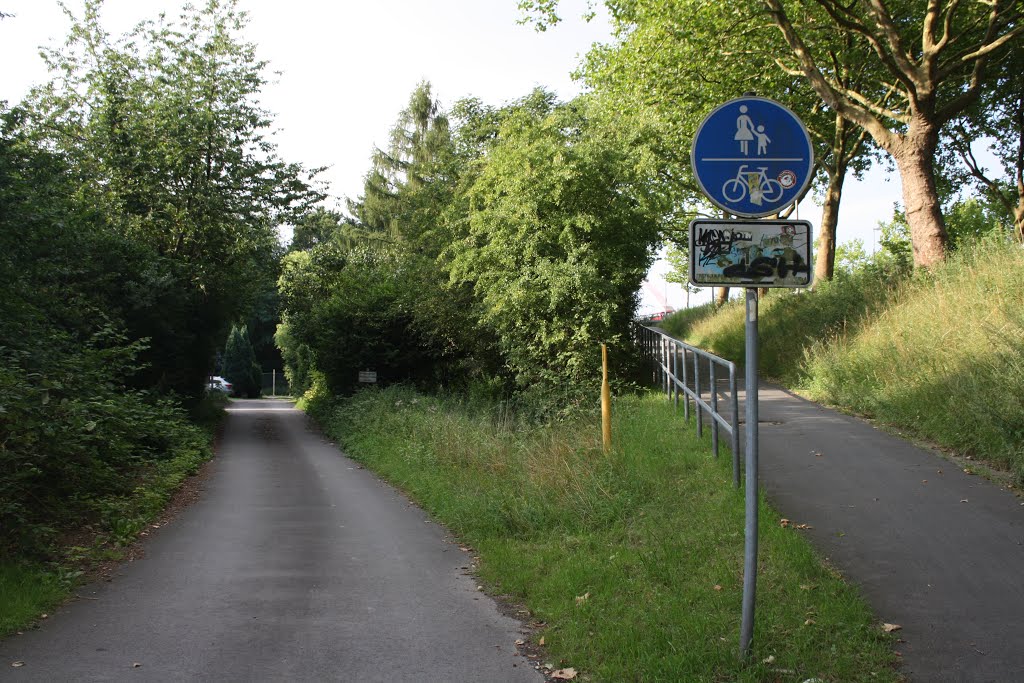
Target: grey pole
[[750, 545]]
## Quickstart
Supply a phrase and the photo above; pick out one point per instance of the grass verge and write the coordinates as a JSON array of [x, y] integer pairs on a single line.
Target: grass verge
[[632, 559], [31, 586]]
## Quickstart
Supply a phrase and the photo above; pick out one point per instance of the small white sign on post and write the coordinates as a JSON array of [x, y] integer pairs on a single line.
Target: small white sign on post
[[367, 377]]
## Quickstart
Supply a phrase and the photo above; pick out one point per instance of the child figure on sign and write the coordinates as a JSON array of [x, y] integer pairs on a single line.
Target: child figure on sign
[[762, 140]]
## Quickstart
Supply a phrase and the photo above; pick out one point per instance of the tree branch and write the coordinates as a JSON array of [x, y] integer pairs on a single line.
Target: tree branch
[[884, 21], [838, 101], [991, 47], [947, 25], [967, 155], [999, 16], [850, 24]]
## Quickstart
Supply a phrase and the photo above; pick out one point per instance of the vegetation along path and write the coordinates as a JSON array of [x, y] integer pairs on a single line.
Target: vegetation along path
[[934, 549], [296, 565]]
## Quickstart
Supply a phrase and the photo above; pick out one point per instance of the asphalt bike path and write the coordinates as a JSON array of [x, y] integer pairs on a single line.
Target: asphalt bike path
[[295, 565], [934, 550]]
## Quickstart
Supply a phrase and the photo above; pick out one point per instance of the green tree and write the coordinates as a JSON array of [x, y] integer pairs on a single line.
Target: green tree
[[934, 58], [997, 119], [73, 430], [679, 262], [851, 256], [681, 49], [559, 237], [318, 226], [352, 309], [164, 129], [398, 199], [240, 367]]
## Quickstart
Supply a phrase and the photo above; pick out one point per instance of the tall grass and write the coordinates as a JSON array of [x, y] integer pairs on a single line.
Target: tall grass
[[680, 322], [944, 360], [632, 559], [939, 354]]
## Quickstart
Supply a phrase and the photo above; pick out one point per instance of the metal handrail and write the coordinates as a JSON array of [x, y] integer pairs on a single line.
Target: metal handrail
[[671, 363]]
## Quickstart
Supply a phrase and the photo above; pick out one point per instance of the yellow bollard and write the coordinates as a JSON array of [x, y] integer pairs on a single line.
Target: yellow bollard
[[606, 402]]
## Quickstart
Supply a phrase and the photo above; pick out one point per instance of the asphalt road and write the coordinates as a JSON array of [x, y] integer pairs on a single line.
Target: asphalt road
[[933, 549], [294, 565]]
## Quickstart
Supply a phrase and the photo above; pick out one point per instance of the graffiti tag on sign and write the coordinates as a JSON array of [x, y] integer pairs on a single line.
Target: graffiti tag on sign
[[731, 253]]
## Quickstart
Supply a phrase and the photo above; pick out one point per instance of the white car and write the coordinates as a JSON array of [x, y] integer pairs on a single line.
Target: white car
[[219, 384]]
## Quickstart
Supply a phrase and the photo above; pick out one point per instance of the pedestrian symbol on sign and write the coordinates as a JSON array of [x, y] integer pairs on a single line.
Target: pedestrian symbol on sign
[[746, 131]]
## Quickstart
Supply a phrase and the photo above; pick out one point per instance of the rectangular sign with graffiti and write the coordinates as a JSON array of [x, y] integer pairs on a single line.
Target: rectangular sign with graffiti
[[760, 253]]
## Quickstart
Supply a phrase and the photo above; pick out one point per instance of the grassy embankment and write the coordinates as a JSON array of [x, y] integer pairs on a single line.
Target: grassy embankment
[[937, 356], [34, 585], [632, 559]]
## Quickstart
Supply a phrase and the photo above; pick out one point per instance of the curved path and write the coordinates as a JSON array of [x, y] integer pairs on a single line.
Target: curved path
[[295, 565], [933, 549]]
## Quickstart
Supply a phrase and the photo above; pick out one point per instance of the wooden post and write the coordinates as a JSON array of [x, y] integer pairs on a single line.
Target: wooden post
[[606, 402]]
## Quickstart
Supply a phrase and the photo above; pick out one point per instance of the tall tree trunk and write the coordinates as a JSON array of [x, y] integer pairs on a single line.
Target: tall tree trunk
[[915, 159], [721, 296], [825, 259]]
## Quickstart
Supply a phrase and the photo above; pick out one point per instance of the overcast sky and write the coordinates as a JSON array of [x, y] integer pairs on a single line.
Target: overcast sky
[[349, 66]]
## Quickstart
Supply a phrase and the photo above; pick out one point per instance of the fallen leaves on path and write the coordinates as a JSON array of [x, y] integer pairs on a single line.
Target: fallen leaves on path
[[564, 674], [889, 628]]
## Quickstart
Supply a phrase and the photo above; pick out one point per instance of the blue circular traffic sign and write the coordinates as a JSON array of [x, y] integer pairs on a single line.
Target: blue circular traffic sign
[[752, 157]]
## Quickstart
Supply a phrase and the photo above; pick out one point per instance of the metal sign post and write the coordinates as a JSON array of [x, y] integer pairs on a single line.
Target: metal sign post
[[750, 527], [752, 157]]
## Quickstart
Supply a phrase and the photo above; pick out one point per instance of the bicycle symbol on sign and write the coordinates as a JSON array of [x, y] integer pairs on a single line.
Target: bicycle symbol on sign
[[756, 184]]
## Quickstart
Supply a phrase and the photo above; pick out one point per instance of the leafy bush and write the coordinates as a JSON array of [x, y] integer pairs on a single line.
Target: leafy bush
[[74, 436], [560, 236], [380, 308]]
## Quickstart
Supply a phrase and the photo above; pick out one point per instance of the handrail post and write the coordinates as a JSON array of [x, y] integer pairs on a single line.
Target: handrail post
[[651, 340], [714, 407], [735, 427], [665, 363], [696, 390], [686, 383], [675, 374]]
